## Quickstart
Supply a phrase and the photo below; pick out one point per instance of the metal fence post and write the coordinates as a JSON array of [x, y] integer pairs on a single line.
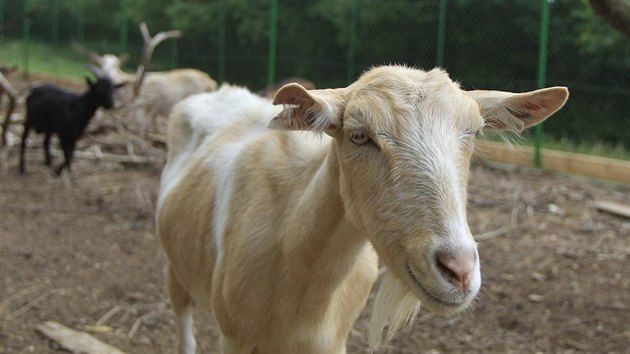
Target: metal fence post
[[175, 44], [55, 23], [273, 41], [542, 72], [1, 14], [80, 22], [222, 25], [26, 38], [124, 26], [441, 34], [352, 41]]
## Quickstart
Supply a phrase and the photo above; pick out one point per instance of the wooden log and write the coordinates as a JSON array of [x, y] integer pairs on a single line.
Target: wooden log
[[558, 161], [612, 207], [75, 341]]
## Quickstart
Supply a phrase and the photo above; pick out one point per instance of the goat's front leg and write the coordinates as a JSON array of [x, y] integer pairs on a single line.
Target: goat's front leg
[[27, 128], [47, 156], [68, 151]]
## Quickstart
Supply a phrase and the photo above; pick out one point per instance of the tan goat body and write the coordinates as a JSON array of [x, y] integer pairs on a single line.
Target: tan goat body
[[274, 215]]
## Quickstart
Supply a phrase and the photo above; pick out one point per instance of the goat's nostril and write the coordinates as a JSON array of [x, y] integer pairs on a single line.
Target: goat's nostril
[[457, 269]]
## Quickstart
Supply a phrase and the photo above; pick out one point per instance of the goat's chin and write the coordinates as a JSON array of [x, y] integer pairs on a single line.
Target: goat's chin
[[394, 306]]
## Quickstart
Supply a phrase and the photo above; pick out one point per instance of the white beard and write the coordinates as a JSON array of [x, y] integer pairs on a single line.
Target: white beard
[[394, 306]]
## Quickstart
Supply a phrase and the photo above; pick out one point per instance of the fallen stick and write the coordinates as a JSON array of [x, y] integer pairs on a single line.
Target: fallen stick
[[75, 341], [5, 303], [612, 207], [110, 157], [493, 233], [22, 310]]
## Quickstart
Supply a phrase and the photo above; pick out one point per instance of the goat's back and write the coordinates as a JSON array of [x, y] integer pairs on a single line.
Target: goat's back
[[163, 90], [46, 101], [198, 117]]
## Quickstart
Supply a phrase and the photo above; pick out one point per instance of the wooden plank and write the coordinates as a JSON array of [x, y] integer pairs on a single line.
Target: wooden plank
[[612, 207], [74, 341], [558, 161]]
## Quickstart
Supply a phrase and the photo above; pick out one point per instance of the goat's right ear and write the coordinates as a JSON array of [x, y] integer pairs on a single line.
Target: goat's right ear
[[318, 110], [516, 111]]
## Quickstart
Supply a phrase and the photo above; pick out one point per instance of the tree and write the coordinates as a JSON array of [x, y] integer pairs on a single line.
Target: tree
[[615, 12]]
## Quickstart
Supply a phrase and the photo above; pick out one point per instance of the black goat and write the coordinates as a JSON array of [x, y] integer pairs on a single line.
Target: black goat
[[50, 109]]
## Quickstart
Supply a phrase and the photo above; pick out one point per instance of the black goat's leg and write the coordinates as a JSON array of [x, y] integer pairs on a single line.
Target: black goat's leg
[[27, 128], [47, 156], [68, 152]]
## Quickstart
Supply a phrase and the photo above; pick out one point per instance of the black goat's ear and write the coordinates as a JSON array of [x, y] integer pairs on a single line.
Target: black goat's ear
[[89, 82]]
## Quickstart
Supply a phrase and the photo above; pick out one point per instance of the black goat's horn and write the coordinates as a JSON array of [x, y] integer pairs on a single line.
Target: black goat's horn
[[97, 71]]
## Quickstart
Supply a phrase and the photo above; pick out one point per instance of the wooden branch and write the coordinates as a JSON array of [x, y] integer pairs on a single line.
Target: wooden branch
[[5, 86], [513, 220], [147, 52], [615, 12], [5, 303], [109, 157], [612, 207], [75, 341], [90, 54]]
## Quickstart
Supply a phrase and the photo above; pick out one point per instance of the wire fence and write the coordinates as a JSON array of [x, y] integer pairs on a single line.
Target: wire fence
[[491, 44]]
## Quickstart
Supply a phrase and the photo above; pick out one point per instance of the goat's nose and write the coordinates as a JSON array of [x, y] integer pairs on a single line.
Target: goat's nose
[[456, 268]]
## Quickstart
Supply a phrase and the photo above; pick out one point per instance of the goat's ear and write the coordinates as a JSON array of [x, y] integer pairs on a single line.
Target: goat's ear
[[516, 111], [318, 110], [89, 82]]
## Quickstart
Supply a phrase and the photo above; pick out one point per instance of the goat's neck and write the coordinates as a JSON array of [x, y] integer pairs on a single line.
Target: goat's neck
[[87, 107], [322, 244]]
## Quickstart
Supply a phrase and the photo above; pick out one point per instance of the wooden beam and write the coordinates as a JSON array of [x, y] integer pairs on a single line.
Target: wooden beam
[[612, 207], [558, 161], [74, 341]]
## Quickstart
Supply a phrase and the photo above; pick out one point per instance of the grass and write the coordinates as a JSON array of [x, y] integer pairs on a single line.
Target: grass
[[602, 149], [62, 61]]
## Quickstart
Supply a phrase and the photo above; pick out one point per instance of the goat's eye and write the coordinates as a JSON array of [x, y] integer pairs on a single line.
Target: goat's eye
[[359, 137], [471, 133]]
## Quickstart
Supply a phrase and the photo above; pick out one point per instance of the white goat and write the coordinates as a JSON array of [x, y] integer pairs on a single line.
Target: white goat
[[277, 231], [160, 90]]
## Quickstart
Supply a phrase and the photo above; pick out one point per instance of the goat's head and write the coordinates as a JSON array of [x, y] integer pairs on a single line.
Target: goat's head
[[102, 90], [110, 64], [404, 141]]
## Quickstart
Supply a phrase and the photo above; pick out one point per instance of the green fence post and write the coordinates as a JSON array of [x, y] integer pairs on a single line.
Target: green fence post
[[26, 38], [222, 25], [352, 41], [124, 26], [80, 21], [1, 13], [55, 23], [542, 72], [439, 61], [273, 41], [175, 44]]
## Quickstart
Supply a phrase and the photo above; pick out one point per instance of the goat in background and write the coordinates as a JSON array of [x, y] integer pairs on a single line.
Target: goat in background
[[278, 231], [53, 110], [154, 93]]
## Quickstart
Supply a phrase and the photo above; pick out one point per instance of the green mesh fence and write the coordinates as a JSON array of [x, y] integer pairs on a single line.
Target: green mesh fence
[[489, 44]]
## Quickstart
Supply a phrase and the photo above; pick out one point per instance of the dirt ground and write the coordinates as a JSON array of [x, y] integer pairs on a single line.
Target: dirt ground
[[82, 251]]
